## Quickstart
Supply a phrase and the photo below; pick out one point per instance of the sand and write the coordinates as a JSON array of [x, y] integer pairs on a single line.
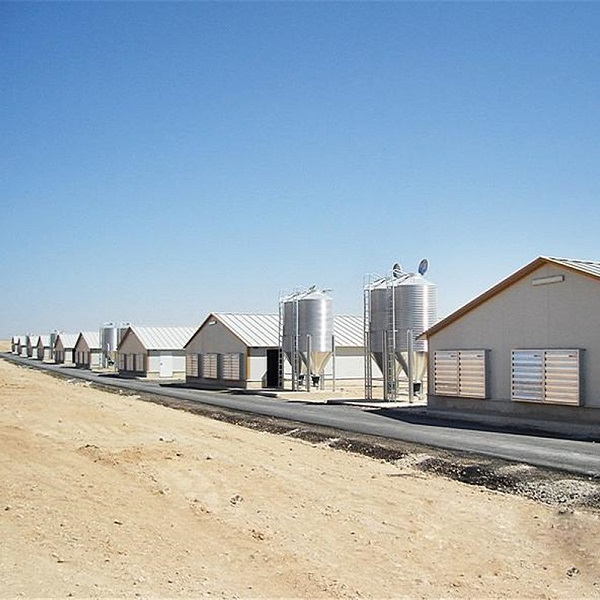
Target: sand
[[103, 495]]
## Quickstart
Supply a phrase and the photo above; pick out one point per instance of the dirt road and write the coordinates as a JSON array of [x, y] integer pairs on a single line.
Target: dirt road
[[104, 495]]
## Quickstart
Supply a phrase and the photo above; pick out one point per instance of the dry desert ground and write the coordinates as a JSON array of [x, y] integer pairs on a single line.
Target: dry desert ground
[[105, 495]]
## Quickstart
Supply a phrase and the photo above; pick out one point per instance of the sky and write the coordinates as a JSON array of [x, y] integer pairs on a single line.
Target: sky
[[161, 161]]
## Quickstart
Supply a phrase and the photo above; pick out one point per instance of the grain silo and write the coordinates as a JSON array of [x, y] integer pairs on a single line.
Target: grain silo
[[398, 308], [110, 336], [306, 332]]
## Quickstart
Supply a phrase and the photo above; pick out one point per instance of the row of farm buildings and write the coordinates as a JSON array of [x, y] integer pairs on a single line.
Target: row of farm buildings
[[528, 347], [226, 351]]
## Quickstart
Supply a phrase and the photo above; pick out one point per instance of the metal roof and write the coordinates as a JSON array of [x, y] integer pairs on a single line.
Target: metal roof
[[348, 330], [163, 338], [68, 340], [45, 339], [254, 330], [586, 267], [262, 330], [92, 338], [591, 267]]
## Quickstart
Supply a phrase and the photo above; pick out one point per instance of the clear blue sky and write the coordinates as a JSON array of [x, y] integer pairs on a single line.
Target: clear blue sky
[[159, 161]]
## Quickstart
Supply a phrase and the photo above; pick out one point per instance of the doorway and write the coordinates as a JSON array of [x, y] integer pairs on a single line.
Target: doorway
[[166, 365], [273, 367]]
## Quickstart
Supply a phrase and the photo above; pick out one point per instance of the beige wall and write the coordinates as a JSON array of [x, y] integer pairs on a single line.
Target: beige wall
[[558, 315], [131, 345], [215, 339]]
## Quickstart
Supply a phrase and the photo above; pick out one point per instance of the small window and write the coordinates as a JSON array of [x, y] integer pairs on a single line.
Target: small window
[[546, 375], [460, 373]]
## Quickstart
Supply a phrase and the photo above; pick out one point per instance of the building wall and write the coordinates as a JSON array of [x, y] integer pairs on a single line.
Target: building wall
[[218, 339], [44, 353], [174, 364], [63, 355], [132, 356], [558, 315], [215, 338], [86, 357], [349, 363]]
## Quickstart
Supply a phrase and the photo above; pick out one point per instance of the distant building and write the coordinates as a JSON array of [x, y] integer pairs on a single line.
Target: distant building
[[31, 345], [153, 352], [527, 348], [64, 346], [44, 348], [87, 353], [242, 351], [15, 343]]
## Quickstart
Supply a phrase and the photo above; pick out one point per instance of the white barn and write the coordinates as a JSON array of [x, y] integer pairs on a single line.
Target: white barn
[[242, 351], [15, 343], [64, 345], [31, 345], [528, 348], [44, 348], [87, 353], [153, 352]]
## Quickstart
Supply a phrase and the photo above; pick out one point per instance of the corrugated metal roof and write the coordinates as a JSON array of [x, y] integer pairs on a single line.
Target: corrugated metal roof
[[45, 339], [68, 340], [348, 330], [255, 330], [262, 330], [591, 267], [92, 338], [163, 338]]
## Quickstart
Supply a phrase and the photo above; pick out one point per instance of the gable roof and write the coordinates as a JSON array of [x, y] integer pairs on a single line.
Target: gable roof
[[254, 330], [586, 267], [161, 338], [44, 340], [262, 330], [68, 340], [92, 338]]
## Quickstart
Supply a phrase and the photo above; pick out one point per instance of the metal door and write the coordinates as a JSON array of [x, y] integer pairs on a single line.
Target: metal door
[[166, 365]]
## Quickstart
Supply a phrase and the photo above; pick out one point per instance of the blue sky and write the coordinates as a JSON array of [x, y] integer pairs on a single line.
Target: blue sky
[[159, 161]]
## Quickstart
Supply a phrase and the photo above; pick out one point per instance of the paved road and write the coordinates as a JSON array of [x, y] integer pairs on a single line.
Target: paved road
[[406, 424]]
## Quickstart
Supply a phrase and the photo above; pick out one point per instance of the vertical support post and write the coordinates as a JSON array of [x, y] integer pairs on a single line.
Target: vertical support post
[[367, 342], [386, 395], [410, 365], [308, 361], [333, 362]]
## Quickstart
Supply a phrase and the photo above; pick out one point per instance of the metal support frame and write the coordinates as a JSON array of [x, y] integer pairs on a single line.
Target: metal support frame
[[367, 341], [390, 388], [281, 357]]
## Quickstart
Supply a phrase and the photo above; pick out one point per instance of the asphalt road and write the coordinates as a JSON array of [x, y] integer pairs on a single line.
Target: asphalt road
[[407, 424]]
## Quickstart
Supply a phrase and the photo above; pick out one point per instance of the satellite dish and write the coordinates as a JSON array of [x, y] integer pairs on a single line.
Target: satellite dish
[[397, 270], [423, 266]]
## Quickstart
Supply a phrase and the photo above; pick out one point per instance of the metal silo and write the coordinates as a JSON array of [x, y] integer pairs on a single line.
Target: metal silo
[[399, 308], [307, 333], [53, 335], [108, 343]]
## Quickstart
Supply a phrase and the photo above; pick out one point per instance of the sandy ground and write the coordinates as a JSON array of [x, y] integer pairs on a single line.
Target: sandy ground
[[104, 495]]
